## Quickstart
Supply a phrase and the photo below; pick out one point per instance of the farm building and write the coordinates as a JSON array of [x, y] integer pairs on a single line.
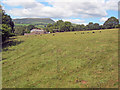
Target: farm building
[[36, 32]]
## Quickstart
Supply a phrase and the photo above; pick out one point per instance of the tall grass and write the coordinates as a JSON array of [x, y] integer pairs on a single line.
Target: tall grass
[[65, 60]]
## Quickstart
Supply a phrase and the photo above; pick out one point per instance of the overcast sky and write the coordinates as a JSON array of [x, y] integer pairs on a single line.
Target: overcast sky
[[75, 11]]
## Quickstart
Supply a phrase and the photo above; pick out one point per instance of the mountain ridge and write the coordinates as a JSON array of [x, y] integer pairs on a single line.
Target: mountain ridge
[[33, 21]]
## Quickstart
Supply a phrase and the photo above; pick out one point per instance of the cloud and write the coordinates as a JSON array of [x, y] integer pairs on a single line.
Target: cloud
[[61, 8], [78, 21], [103, 19], [112, 5], [19, 2], [84, 8]]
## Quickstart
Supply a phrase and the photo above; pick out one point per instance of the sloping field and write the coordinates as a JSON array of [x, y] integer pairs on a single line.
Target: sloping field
[[63, 60]]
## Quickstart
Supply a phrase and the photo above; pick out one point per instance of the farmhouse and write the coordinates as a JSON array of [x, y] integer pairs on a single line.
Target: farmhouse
[[36, 32]]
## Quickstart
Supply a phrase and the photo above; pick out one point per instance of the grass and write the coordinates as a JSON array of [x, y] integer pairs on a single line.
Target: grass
[[66, 60], [22, 24], [38, 26]]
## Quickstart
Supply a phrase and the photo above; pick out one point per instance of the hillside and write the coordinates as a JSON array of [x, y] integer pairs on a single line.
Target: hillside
[[65, 60], [35, 21]]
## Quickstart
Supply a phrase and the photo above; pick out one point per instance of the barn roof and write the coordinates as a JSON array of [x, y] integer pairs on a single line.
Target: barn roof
[[33, 30]]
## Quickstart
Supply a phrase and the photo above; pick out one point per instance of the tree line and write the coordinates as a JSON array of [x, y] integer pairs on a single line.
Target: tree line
[[61, 26]]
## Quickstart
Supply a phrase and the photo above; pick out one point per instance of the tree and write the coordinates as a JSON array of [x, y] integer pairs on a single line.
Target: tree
[[20, 30], [49, 28], [101, 27], [90, 26], [111, 23], [67, 26], [7, 25], [5, 31], [96, 26], [59, 22], [80, 27], [29, 28]]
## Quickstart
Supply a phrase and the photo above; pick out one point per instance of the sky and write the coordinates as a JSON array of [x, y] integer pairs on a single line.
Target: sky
[[75, 11]]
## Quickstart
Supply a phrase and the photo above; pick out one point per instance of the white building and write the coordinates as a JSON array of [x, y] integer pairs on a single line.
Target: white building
[[36, 30]]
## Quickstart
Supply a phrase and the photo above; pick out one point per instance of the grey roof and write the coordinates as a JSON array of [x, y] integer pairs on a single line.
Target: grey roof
[[34, 30]]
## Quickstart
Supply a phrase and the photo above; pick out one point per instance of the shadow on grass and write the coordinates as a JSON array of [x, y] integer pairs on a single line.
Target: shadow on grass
[[10, 42]]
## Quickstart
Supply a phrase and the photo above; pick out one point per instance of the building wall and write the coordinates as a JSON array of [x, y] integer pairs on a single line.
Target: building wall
[[35, 33], [38, 32]]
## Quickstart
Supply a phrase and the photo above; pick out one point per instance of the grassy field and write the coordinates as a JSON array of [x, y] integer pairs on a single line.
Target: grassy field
[[22, 24], [88, 60], [38, 26]]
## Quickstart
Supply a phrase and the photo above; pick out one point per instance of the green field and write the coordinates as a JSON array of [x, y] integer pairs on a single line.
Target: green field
[[38, 26], [65, 60], [22, 24]]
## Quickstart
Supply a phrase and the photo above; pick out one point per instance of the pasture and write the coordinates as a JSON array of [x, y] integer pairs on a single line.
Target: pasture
[[62, 60], [38, 26]]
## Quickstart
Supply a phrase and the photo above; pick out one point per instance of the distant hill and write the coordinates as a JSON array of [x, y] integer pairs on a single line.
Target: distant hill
[[35, 21]]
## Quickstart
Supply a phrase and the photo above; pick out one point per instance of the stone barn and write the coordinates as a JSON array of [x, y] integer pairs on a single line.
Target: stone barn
[[36, 32]]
